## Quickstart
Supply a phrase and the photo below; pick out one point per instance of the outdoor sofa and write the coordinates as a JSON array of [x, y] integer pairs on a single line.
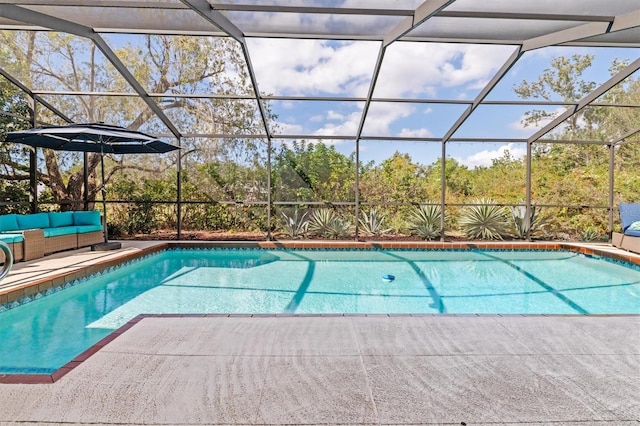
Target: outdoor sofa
[[629, 239], [31, 236]]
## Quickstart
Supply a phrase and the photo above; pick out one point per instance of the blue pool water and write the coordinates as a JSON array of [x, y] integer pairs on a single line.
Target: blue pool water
[[42, 335]]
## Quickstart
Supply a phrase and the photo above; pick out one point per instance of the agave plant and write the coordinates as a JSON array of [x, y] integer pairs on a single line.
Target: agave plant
[[518, 216], [338, 229], [371, 224], [321, 221], [589, 234], [295, 225], [425, 221], [485, 220]]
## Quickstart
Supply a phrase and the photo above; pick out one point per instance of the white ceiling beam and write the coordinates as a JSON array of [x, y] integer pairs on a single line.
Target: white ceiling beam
[[398, 31]]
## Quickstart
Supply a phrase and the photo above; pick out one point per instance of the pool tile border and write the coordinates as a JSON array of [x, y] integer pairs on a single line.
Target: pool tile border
[[40, 379], [31, 289]]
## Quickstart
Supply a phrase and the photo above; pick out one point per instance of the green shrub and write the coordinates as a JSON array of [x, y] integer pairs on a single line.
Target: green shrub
[[590, 234]]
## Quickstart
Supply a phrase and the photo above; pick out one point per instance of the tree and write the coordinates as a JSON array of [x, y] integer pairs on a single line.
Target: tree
[[313, 172], [13, 113], [503, 181], [561, 80], [162, 64], [577, 174]]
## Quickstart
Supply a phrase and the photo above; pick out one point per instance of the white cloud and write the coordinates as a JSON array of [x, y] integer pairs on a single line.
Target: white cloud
[[295, 67], [304, 67], [333, 115], [283, 128], [412, 69], [348, 126], [415, 133], [382, 115], [380, 118], [483, 158], [344, 68]]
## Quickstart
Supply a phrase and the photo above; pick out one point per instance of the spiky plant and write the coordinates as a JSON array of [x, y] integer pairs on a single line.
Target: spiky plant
[[321, 221], [425, 220], [518, 217], [485, 220], [338, 229], [295, 225], [371, 224], [589, 234]]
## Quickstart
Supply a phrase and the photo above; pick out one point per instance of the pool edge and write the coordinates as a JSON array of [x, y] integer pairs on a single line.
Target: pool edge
[[40, 285], [25, 378]]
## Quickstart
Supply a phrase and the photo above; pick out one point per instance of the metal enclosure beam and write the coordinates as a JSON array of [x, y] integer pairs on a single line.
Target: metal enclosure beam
[[204, 9], [576, 33], [425, 11], [57, 24], [34, 96], [612, 155], [599, 91], [621, 22], [510, 62], [623, 139], [421, 14]]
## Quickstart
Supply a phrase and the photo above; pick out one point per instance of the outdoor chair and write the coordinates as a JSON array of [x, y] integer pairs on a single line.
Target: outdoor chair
[[629, 239]]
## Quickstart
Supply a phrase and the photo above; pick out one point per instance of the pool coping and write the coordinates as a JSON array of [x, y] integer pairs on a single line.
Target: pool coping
[[39, 378], [42, 284], [31, 288]]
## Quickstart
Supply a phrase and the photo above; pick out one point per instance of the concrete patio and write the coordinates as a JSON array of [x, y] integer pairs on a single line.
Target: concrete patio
[[349, 370]]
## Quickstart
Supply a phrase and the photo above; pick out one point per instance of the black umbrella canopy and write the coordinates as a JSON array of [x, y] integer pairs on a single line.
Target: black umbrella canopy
[[91, 137]]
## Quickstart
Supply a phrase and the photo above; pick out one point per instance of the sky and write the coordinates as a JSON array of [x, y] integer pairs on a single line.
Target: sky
[[456, 72], [410, 70]]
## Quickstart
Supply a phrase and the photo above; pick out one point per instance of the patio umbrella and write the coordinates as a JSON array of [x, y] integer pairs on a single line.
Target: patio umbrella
[[92, 137]]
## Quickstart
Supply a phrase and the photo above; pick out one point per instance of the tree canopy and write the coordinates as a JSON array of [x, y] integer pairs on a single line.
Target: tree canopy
[[224, 180]]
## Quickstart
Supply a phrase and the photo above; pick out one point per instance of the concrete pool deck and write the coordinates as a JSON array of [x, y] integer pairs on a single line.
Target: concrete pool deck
[[349, 370], [582, 370]]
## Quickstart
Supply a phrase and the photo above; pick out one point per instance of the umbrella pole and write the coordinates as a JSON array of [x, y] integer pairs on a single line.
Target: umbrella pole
[[106, 245], [104, 196]]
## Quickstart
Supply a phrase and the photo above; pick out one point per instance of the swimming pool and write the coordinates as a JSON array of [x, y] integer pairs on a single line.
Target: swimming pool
[[42, 335]]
